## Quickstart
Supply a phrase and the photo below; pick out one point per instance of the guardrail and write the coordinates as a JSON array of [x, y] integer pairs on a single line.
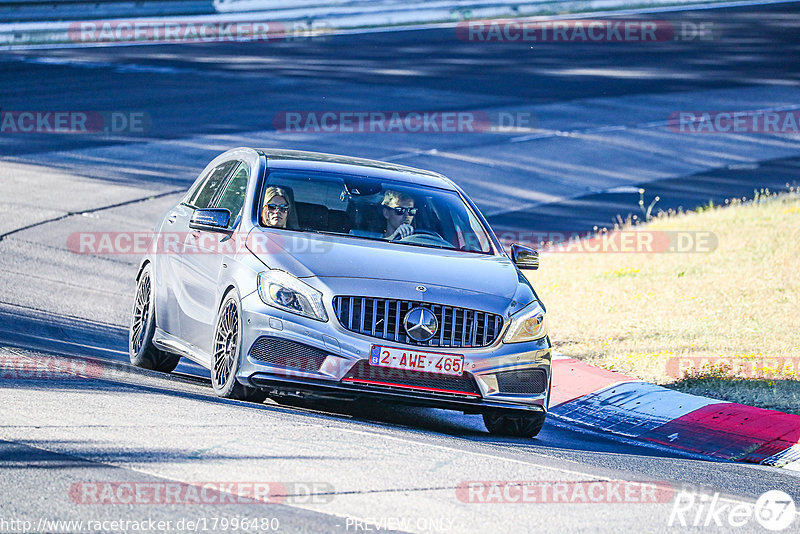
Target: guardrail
[[394, 11], [54, 22], [55, 10]]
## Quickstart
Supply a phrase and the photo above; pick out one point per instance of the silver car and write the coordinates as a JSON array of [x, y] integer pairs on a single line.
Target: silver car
[[295, 274]]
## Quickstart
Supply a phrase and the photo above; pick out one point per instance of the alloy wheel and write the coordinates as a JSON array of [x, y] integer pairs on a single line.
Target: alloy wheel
[[141, 311], [226, 342]]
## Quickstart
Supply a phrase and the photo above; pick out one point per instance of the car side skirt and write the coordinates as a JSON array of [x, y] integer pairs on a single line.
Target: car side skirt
[[169, 343]]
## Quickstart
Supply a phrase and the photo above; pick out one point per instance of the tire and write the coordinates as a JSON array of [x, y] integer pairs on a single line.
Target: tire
[[141, 350], [226, 354], [511, 424]]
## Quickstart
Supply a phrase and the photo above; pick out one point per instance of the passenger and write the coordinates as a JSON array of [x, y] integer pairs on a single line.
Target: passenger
[[399, 211], [277, 207]]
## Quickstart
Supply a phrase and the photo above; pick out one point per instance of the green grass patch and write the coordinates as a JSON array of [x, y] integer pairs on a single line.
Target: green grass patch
[[724, 323]]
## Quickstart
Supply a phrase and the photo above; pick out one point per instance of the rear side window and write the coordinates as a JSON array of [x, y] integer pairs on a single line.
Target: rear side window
[[232, 198], [203, 193]]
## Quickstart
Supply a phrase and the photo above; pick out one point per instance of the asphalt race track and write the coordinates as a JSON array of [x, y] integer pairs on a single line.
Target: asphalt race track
[[591, 131]]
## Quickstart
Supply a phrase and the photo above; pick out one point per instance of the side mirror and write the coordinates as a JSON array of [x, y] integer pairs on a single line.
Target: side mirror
[[211, 220], [524, 257]]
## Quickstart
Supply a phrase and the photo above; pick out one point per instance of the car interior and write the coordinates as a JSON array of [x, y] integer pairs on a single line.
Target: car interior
[[355, 209]]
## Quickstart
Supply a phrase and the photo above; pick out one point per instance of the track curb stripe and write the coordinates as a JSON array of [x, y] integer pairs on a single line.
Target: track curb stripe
[[731, 431], [624, 406], [577, 379], [631, 409]]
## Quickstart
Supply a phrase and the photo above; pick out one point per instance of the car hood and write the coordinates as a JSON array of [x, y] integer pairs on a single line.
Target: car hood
[[315, 255]]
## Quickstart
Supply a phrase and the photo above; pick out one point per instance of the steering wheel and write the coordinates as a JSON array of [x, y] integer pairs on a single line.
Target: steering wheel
[[417, 231], [423, 237]]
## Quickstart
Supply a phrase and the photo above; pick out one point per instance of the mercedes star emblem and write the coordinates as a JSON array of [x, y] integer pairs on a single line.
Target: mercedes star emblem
[[421, 324]]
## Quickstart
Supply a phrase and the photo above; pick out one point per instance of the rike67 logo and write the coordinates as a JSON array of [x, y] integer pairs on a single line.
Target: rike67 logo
[[774, 510]]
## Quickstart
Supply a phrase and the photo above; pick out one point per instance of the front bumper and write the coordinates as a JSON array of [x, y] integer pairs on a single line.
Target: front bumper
[[335, 352]]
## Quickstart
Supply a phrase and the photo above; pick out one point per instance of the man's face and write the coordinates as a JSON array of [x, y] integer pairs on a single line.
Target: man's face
[[396, 219]]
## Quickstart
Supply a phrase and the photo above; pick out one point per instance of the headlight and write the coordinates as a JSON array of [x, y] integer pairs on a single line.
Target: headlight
[[528, 324], [283, 291]]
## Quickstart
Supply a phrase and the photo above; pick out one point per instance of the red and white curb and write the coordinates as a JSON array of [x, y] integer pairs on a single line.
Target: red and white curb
[[630, 408]]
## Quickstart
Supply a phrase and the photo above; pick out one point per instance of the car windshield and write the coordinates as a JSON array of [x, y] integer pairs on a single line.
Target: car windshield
[[371, 208]]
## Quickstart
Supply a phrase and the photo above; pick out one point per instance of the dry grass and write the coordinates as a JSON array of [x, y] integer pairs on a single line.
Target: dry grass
[[737, 307]]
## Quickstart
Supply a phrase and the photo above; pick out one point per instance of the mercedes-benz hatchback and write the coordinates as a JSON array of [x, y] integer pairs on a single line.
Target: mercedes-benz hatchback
[[296, 274]]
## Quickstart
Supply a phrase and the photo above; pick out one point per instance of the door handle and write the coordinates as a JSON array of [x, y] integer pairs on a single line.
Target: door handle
[[171, 218]]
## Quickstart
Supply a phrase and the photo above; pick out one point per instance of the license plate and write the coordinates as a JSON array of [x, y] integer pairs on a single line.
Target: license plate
[[414, 360]]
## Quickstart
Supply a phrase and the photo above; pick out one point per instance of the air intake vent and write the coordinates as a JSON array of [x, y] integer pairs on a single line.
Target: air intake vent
[[285, 353], [372, 375], [529, 381]]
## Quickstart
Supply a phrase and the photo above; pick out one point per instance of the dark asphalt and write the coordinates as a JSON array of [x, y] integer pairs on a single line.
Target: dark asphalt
[[75, 338], [224, 88], [203, 97]]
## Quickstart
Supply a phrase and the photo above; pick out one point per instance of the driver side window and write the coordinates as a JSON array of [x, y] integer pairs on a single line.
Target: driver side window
[[203, 193], [232, 198]]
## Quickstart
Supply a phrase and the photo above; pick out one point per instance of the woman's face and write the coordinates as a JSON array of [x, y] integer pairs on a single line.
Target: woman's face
[[276, 211]]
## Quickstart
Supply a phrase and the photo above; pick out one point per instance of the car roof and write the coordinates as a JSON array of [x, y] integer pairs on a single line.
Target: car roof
[[317, 161]]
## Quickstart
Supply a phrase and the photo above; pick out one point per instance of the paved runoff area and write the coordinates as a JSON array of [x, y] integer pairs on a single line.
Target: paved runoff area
[[545, 137]]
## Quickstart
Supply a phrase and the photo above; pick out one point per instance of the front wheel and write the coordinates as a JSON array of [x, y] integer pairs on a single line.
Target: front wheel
[[227, 349], [141, 350], [512, 424]]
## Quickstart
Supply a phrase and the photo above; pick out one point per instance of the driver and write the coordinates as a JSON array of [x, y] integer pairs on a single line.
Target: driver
[[277, 207], [399, 211]]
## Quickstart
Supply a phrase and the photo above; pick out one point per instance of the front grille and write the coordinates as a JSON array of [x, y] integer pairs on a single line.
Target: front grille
[[285, 353], [529, 381], [373, 375], [383, 318]]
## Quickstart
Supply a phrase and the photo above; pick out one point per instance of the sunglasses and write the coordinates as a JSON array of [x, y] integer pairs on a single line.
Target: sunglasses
[[401, 210], [283, 208]]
